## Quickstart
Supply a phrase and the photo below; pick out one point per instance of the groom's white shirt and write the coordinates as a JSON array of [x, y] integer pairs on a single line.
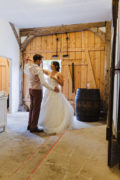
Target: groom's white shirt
[[36, 76]]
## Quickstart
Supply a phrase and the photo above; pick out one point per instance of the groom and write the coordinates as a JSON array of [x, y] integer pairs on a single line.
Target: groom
[[37, 80]]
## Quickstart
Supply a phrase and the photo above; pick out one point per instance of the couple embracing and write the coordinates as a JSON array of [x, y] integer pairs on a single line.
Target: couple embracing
[[53, 112]]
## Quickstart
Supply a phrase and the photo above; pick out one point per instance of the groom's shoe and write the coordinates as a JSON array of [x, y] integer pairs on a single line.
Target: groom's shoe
[[36, 130]]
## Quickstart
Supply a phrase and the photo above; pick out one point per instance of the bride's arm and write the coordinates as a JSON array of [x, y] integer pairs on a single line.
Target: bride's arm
[[46, 72], [59, 79]]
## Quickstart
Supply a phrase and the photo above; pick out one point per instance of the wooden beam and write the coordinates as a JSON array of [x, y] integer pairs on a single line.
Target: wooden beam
[[98, 32], [26, 42], [42, 31], [107, 63], [15, 33], [108, 31]]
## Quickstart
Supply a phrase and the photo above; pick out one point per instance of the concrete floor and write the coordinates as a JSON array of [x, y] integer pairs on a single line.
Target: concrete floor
[[79, 154]]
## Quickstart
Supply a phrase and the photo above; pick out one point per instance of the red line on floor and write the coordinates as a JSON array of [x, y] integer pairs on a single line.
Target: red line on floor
[[29, 158], [44, 157]]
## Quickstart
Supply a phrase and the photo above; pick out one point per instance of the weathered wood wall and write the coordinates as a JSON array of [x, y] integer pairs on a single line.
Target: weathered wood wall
[[85, 49], [4, 75]]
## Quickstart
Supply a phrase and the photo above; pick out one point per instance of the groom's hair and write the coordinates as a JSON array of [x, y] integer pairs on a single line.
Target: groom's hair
[[57, 65], [37, 57]]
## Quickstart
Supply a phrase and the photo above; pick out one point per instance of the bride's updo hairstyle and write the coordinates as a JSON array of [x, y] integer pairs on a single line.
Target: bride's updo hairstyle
[[57, 65]]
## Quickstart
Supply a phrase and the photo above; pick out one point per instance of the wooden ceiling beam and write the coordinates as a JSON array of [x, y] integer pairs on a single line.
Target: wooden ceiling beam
[[59, 29], [15, 33]]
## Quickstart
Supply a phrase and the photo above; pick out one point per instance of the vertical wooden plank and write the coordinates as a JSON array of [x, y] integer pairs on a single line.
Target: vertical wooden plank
[[77, 77], [102, 64], [7, 73], [72, 45], [3, 78], [49, 45], [84, 45], [66, 83], [59, 46], [54, 43], [97, 68], [64, 45], [4, 75], [38, 44], [97, 61], [83, 76], [97, 42], [90, 40], [44, 46], [91, 76], [71, 95], [91, 44], [78, 44], [84, 39]]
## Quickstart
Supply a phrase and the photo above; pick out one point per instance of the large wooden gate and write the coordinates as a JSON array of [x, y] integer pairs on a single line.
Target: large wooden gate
[[86, 57]]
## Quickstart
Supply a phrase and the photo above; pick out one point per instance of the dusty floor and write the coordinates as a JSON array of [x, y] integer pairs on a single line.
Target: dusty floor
[[79, 154]]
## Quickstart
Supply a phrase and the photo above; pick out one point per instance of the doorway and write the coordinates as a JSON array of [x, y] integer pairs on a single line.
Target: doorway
[[5, 79]]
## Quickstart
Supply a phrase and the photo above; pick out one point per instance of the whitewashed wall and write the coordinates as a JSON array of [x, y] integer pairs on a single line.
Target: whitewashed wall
[[9, 48]]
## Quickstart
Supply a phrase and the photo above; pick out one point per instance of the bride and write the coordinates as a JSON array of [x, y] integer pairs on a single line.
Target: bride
[[56, 113]]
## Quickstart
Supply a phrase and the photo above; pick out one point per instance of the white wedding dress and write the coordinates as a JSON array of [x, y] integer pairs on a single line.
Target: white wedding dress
[[56, 112]]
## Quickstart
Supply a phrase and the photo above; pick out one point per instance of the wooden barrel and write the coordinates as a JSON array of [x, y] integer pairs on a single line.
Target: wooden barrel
[[87, 104]]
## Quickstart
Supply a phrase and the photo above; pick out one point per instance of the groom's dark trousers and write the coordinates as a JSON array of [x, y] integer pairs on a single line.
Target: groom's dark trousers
[[35, 104]]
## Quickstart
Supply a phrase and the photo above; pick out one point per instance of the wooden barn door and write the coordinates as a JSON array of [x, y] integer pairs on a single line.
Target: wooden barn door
[[82, 68], [4, 75], [75, 76]]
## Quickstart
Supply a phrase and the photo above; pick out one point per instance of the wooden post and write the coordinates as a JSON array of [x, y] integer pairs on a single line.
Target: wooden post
[[21, 65], [112, 144], [107, 64], [21, 77]]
